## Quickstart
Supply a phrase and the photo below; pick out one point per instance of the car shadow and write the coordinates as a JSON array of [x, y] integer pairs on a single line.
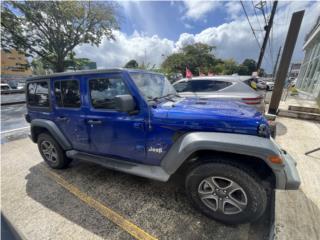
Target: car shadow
[[161, 209], [281, 129]]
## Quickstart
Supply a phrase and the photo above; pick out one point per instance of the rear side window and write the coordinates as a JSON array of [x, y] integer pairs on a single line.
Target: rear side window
[[208, 85], [67, 93], [38, 94], [182, 87], [104, 90]]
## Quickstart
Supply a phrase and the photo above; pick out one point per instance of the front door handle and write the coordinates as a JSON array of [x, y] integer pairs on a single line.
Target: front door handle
[[91, 121], [62, 119]]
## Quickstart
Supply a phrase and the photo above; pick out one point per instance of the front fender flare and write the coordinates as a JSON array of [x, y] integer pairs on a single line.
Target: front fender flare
[[249, 145]]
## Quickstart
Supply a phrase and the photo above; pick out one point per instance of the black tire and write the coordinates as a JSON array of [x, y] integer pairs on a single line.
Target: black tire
[[253, 195], [58, 158]]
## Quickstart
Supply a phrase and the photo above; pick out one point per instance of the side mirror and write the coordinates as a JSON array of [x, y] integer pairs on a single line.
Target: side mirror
[[125, 103]]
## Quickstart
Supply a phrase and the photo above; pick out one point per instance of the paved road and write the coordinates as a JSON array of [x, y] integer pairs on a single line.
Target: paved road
[[7, 98], [13, 124], [12, 117], [87, 201]]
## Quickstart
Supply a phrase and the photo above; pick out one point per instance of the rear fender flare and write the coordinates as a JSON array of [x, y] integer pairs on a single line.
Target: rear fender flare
[[53, 129]]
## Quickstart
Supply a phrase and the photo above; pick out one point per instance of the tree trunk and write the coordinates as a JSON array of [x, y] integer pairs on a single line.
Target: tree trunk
[[59, 65]]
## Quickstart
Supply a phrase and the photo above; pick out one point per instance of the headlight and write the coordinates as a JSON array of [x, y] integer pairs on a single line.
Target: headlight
[[263, 130]]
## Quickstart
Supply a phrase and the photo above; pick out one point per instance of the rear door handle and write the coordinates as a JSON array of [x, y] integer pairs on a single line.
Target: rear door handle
[[62, 119], [91, 121]]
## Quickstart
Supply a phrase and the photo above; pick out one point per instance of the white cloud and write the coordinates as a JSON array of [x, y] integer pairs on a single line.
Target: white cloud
[[137, 46], [233, 40], [233, 9], [198, 9]]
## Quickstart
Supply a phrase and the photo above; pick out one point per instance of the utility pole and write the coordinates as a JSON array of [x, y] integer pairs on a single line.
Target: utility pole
[[286, 56], [276, 64], [266, 37]]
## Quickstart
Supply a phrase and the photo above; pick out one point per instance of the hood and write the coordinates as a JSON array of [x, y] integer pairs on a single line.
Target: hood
[[189, 114]]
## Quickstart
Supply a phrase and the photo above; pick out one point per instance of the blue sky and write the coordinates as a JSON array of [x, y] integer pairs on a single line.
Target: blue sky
[[151, 30], [165, 19]]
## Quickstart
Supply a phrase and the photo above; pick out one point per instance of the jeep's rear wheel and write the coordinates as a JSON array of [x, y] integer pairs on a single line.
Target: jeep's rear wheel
[[226, 193], [51, 152]]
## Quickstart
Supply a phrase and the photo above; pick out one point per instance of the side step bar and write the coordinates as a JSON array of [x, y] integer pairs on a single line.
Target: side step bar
[[147, 171]]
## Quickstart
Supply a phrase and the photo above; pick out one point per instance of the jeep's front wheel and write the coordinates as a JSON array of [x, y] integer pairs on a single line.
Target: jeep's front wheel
[[51, 152], [226, 193]]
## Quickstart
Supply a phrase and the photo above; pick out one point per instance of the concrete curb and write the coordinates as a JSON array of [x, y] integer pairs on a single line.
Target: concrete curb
[[299, 115]]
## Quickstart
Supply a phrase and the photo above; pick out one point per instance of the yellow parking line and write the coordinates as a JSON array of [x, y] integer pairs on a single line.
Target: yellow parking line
[[125, 224]]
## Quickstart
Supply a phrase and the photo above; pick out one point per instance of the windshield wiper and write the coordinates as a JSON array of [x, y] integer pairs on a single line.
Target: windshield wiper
[[167, 97]]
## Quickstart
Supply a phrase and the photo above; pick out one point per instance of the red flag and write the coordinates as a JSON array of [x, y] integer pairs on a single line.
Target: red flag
[[188, 73]]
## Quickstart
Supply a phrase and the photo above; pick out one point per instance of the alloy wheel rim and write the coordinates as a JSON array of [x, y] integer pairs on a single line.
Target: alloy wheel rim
[[49, 151], [222, 195]]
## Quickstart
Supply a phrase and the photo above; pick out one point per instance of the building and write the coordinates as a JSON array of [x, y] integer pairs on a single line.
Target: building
[[309, 77], [14, 67], [294, 70]]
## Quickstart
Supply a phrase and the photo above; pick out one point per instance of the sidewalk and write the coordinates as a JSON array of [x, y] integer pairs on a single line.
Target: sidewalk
[[301, 100], [297, 213]]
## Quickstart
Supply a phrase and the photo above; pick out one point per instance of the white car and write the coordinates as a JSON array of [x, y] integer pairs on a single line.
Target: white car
[[5, 87], [221, 87], [270, 85]]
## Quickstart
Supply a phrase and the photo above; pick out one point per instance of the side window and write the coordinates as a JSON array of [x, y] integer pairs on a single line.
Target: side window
[[67, 93], [104, 90], [182, 87], [208, 85], [38, 94]]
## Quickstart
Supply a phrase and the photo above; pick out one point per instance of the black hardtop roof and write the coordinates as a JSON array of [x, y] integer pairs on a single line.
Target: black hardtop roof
[[85, 72]]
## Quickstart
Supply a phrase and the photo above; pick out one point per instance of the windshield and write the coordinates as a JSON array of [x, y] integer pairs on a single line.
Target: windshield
[[152, 86]]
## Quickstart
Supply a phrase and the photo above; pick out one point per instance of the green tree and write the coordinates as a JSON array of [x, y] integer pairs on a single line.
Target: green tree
[[132, 64], [71, 62], [243, 70], [230, 67], [198, 56], [219, 68], [39, 67], [251, 65], [51, 30]]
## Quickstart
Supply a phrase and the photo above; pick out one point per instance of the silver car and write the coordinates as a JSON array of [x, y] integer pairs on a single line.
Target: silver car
[[221, 87]]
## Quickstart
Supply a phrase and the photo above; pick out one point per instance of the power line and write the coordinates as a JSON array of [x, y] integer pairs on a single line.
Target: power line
[[268, 28], [262, 30], [271, 40], [255, 13], [254, 34]]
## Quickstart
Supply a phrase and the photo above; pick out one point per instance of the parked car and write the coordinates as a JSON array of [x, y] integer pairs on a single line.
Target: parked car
[[270, 85], [5, 87], [21, 85], [261, 84], [133, 121], [220, 87]]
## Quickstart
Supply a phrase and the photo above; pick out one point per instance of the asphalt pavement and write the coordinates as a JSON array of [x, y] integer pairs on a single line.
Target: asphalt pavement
[[13, 123], [87, 201], [9, 98]]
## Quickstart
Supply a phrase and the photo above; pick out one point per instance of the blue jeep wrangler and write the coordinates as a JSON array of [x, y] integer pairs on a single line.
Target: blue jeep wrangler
[[133, 121]]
